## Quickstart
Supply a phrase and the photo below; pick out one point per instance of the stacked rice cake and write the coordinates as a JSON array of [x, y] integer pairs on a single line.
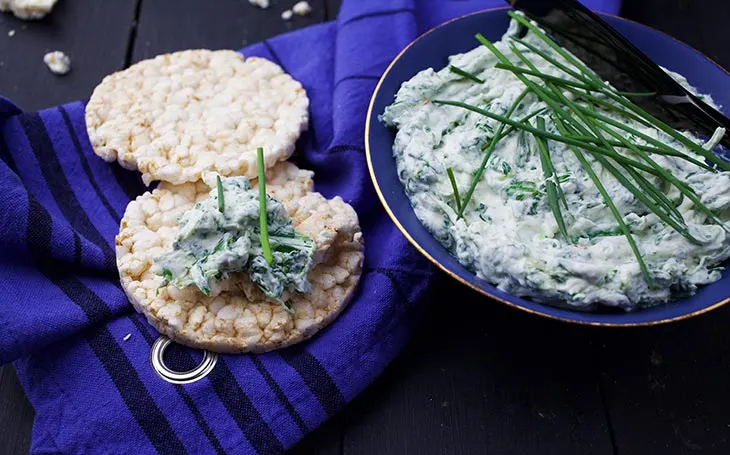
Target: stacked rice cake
[[181, 119]]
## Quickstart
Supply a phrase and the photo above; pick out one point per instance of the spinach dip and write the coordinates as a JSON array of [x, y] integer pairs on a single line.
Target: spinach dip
[[221, 235], [507, 234]]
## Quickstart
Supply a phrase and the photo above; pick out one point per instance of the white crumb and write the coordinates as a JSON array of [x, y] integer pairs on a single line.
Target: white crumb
[[127, 337], [287, 15], [11, 33], [302, 8], [57, 62], [263, 4], [28, 9]]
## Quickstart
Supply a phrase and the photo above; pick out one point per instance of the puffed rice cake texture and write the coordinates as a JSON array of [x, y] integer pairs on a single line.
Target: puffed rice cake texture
[[237, 317], [28, 9], [179, 115]]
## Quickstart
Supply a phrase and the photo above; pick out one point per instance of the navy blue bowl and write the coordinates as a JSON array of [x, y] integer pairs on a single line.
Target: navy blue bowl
[[431, 50]]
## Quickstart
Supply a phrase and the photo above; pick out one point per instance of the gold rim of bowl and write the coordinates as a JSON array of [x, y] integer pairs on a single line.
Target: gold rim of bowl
[[418, 247]]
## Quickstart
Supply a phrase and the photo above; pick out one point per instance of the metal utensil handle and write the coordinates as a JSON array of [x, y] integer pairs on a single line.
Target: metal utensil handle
[[623, 64], [179, 377]]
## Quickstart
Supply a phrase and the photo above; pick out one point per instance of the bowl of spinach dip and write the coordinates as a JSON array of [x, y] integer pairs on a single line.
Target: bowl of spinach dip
[[517, 170]]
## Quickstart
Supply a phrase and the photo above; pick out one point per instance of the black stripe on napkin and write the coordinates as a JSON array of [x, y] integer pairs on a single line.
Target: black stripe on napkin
[[116, 364], [244, 413], [305, 364], [129, 181], [316, 378], [187, 399], [38, 240], [390, 275], [59, 185], [85, 165], [135, 395], [102, 343], [362, 77], [6, 156], [345, 148], [77, 249], [207, 430], [250, 421], [378, 14], [308, 367], [280, 394]]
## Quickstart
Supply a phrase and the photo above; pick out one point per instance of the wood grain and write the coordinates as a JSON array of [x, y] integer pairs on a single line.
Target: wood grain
[[220, 24], [332, 8], [93, 33], [494, 381], [482, 378], [668, 387]]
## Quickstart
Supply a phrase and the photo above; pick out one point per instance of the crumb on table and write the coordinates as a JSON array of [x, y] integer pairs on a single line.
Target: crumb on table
[[302, 8], [58, 62], [263, 4]]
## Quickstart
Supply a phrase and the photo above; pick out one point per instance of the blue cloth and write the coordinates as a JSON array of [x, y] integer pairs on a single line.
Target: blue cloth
[[63, 316]]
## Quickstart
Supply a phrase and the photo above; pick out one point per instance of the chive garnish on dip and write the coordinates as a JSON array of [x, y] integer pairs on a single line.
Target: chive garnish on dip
[[583, 129]]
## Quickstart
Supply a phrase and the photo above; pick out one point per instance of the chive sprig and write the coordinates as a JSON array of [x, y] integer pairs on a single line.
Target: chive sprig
[[263, 223], [571, 104]]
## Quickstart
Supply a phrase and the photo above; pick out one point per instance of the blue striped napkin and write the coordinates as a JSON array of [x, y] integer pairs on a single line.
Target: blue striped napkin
[[82, 353]]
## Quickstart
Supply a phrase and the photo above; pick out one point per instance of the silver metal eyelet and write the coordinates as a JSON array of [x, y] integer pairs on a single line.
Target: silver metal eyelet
[[179, 377]]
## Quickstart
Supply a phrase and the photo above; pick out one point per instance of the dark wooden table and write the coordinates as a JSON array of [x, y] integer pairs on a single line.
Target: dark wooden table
[[478, 377]]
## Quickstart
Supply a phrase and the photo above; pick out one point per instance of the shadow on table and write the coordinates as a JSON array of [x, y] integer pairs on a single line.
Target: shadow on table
[[479, 376]]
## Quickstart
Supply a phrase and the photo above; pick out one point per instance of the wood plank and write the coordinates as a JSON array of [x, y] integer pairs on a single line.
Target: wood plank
[[223, 24], [93, 33], [16, 414], [483, 378], [325, 440], [333, 8], [668, 387]]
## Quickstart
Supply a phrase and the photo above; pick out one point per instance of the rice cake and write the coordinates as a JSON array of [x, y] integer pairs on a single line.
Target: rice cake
[[179, 115], [28, 9], [237, 317]]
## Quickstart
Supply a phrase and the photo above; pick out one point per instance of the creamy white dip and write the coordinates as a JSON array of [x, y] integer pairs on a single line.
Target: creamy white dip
[[221, 236], [508, 235]]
